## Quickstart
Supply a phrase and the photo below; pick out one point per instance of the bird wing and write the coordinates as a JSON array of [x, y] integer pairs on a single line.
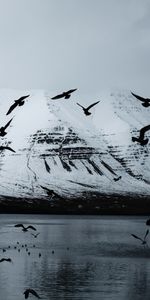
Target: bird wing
[[7, 124], [136, 237], [7, 148], [138, 97], [143, 130], [70, 91], [58, 96], [147, 232], [80, 105], [19, 225], [31, 227], [34, 293], [12, 107], [23, 97], [93, 104]]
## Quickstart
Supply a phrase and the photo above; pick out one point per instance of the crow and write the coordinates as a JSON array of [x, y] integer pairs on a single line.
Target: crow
[[31, 291], [2, 129], [141, 139], [65, 95], [35, 235], [18, 102], [5, 259], [146, 101], [25, 228], [6, 148], [86, 109]]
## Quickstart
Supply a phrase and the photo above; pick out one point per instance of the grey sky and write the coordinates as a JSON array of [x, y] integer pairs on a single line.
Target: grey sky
[[62, 44]]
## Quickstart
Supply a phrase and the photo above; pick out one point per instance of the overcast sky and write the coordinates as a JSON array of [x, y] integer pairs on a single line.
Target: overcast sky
[[89, 44]]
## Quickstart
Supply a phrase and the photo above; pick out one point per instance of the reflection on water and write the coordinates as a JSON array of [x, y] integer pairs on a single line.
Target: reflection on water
[[81, 258]]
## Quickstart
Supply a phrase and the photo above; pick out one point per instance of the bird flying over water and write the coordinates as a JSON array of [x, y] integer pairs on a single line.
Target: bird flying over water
[[16, 103], [144, 242], [141, 139], [25, 228], [35, 235], [146, 101], [5, 259], [65, 95], [31, 291], [6, 148], [2, 129], [86, 109]]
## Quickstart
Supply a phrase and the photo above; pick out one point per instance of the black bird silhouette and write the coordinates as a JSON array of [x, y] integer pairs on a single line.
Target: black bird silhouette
[[18, 102], [146, 101], [65, 95], [144, 242], [2, 129], [25, 228], [141, 139], [5, 259], [86, 109], [117, 178], [35, 235], [31, 291], [2, 148]]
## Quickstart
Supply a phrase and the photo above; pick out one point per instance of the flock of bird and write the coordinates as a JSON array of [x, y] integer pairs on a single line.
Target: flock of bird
[[29, 291]]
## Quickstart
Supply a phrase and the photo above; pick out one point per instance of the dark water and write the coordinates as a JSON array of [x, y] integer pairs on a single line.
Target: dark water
[[94, 258]]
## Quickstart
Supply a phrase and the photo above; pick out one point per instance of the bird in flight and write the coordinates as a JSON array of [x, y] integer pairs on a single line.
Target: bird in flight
[[144, 242], [6, 148], [117, 178], [25, 228], [5, 259], [141, 139], [146, 101], [31, 291], [16, 103], [86, 109], [65, 95], [2, 129], [35, 235]]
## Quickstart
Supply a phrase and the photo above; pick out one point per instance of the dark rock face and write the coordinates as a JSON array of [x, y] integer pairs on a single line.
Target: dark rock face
[[64, 158]]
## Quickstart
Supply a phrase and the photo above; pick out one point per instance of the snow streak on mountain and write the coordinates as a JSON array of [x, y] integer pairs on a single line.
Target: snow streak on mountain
[[60, 151]]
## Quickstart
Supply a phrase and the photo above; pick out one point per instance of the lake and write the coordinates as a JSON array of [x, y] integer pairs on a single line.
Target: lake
[[82, 257]]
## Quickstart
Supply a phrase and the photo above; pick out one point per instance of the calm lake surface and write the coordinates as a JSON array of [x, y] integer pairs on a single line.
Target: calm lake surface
[[94, 258]]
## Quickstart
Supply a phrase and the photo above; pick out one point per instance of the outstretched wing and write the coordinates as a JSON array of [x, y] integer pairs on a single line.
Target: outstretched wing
[[23, 97], [147, 232], [93, 104], [12, 107], [19, 225], [136, 237], [139, 97], [58, 96], [143, 130], [34, 293], [70, 91], [7, 124], [31, 227], [7, 148], [80, 105]]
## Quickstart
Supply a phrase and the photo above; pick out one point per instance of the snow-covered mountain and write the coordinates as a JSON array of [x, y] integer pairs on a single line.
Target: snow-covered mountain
[[59, 148]]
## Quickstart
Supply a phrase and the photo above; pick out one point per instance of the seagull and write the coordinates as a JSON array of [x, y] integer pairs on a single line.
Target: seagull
[[2, 129], [144, 242], [86, 109], [146, 101], [140, 139], [65, 95], [18, 102], [5, 259], [25, 228], [31, 291], [35, 235], [2, 148]]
